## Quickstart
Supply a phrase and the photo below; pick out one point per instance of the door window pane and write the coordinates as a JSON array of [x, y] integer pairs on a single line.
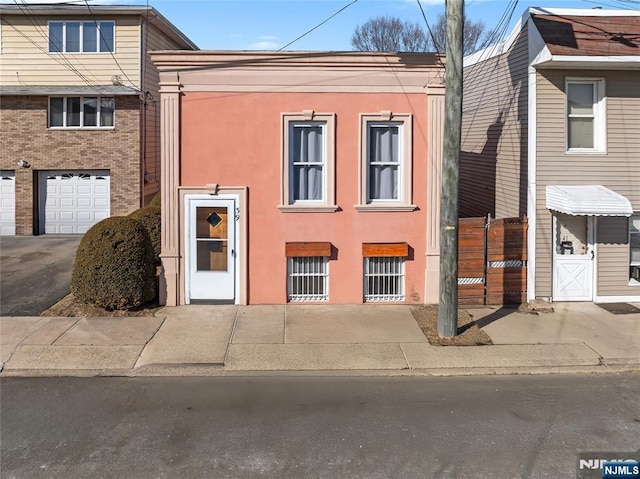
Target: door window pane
[[73, 111], [107, 107], [211, 222], [107, 34], [90, 37], [212, 255], [56, 113], [72, 37], [571, 234], [90, 111], [55, 37]]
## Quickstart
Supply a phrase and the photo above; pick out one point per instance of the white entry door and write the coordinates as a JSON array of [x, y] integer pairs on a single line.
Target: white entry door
[[210, 249], [573, 258]]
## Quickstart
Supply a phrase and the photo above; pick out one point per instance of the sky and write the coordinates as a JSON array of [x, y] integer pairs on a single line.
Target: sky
[[272, 24]]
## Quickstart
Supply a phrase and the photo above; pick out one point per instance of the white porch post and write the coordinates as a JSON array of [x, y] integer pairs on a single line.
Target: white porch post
[[170, 180], [435, 135]]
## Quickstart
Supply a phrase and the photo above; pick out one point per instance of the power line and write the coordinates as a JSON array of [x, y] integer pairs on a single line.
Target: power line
[[433, 38], [102, 39], [317, 26], [59, 59]]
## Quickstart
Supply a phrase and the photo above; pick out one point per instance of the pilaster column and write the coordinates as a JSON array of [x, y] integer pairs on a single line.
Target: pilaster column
[[435, 138], [170, 180]]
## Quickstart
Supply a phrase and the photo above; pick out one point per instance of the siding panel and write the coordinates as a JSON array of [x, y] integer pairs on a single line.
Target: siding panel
[[493, 168], [26, 60], [153, 40]]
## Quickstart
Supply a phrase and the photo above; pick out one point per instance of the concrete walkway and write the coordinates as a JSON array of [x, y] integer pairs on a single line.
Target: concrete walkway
[[357, 339]]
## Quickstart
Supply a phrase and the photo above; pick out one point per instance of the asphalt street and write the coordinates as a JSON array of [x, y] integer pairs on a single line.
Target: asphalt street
[[35, 272], [321, 427]]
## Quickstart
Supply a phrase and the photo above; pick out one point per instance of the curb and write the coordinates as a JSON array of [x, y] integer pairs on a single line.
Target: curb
[[199, 370]]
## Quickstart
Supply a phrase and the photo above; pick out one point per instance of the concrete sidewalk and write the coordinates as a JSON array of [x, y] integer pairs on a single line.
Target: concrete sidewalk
[[331, 339]]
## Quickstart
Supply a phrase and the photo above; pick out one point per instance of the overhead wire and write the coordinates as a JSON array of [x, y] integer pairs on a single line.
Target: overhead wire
[[110, 50], [61, 59], [317, 26]]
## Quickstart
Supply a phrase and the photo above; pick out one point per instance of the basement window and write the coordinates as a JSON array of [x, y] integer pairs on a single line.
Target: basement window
[[308, 272], [384, 272]]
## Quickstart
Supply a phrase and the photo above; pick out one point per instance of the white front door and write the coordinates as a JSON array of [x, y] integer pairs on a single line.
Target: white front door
[[210, 249], [573, 257]]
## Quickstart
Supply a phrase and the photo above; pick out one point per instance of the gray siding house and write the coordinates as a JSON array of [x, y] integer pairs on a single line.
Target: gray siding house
[[551, 131]]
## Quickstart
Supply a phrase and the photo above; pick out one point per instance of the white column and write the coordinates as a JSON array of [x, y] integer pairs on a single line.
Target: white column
[[170, 180], [435, 138]]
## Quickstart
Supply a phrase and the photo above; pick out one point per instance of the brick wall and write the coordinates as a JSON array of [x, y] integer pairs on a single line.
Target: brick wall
[[24, 136]]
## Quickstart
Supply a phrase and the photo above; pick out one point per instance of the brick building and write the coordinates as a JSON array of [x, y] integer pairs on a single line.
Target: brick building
[[79, 114]]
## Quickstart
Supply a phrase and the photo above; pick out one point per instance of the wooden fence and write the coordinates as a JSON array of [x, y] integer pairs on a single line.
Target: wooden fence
[[492, 261]]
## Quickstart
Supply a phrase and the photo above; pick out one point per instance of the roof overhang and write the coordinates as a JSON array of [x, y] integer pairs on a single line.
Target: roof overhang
[[587, 200], [80, 90], [568, 62]]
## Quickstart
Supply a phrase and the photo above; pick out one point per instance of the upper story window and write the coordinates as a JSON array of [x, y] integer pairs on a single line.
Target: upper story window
[[308, 162], [586, 121], [386, 162], [81, 112], [82, 37]]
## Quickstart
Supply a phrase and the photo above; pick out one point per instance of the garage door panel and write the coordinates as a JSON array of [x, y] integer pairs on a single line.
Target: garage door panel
[[7, 203], [71, 201]]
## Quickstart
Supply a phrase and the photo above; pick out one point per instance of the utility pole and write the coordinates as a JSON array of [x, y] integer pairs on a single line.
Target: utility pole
[[448, 305]]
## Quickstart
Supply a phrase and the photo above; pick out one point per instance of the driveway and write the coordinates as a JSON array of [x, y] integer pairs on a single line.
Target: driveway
[[35, 272]]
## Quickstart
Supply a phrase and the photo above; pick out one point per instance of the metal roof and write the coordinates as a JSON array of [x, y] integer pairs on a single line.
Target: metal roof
[[587, 200]]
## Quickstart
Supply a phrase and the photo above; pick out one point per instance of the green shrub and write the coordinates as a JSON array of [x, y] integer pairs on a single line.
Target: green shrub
[[149, 216], [114, 266], [155, 201]]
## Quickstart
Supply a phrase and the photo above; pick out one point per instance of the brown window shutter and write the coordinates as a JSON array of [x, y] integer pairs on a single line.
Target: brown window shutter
[[385, 249], [317, 248]]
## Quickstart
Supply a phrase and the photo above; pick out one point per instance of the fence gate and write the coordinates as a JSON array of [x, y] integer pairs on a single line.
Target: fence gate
[[492, 261]]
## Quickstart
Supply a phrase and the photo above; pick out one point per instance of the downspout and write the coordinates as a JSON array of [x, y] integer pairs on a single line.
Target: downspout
[[532, 181], [143, 106]]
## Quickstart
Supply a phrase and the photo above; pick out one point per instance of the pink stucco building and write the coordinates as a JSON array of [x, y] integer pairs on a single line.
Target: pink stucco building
[[300, 177]]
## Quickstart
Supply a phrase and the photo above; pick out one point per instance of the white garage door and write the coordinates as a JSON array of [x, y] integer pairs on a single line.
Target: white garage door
[[73, 201], [7, 202]]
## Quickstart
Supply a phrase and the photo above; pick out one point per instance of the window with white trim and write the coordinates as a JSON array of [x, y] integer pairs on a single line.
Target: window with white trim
[[81, 112], [307, 152], [586, 122], [308, 161], [82, 37], [384, 279], [308, 279], [634, 243], [386, 161]]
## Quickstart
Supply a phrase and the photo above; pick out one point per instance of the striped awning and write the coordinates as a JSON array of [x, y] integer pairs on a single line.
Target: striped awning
[[587, 200]]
